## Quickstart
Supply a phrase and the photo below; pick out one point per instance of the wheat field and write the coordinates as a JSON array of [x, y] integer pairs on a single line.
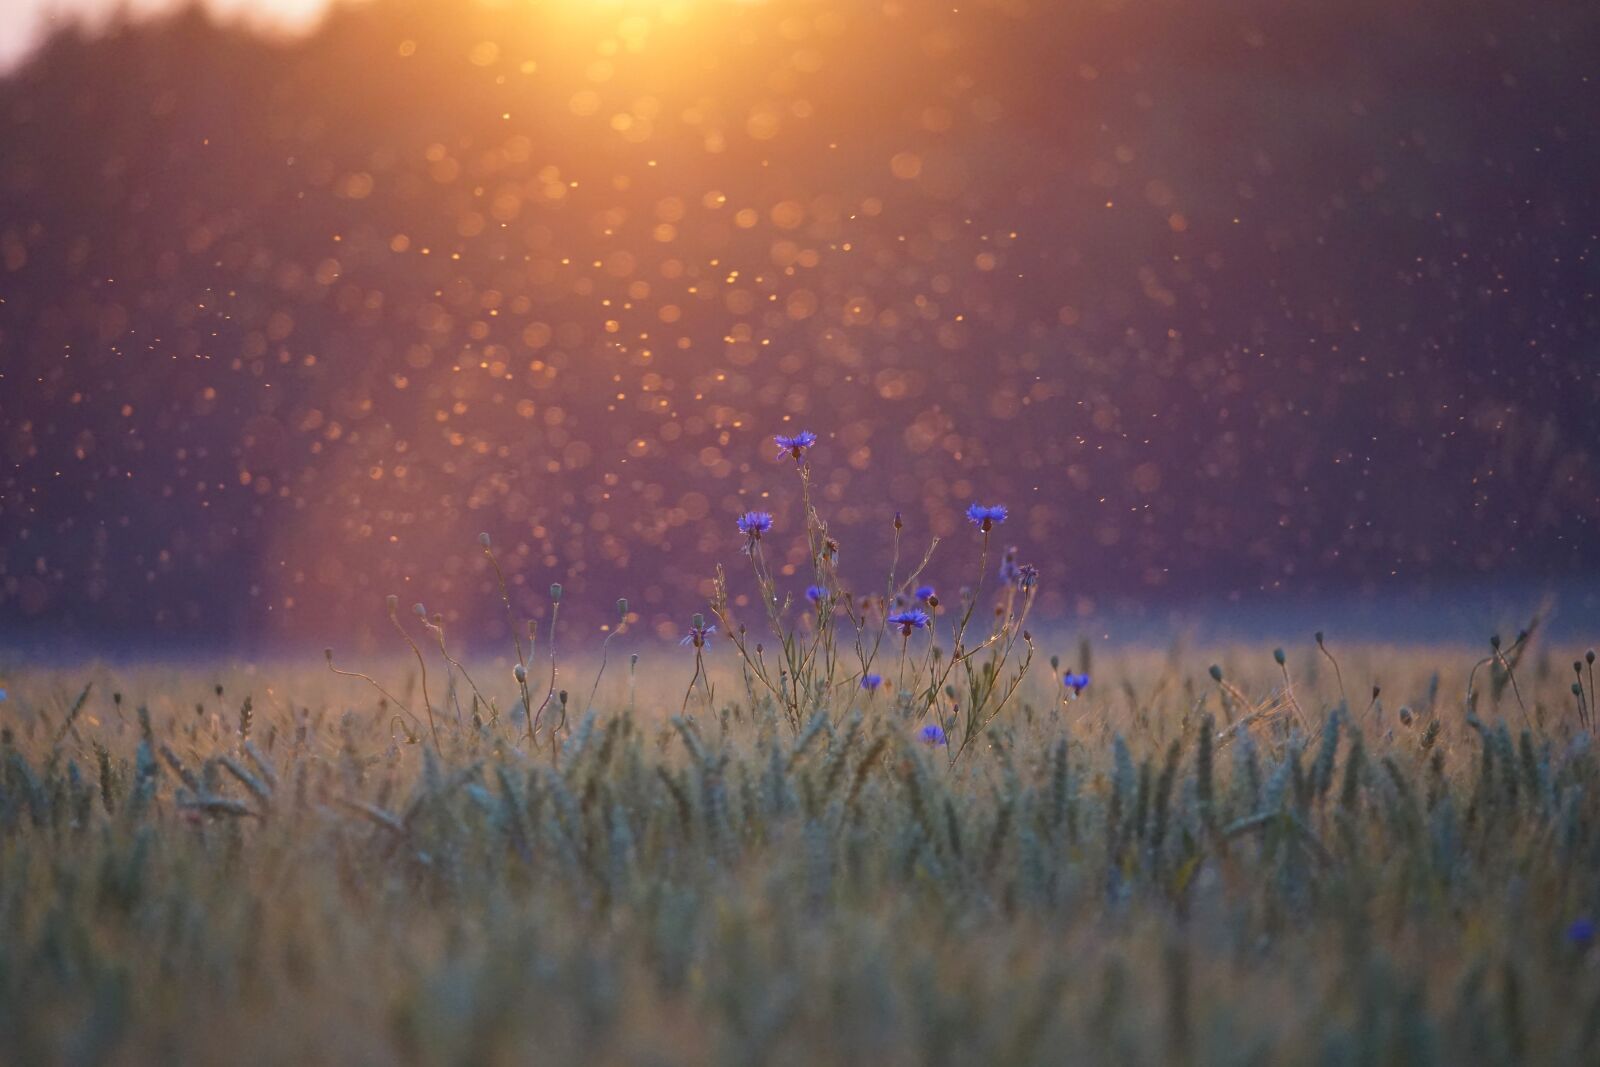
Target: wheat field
[[1178, 863]]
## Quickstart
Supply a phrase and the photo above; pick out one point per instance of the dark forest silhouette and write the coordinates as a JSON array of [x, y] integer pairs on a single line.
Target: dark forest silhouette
[[1215, 296]]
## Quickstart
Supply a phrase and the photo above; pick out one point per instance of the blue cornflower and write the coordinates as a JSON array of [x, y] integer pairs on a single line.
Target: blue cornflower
[[1581, 933], [795, 444], [1075, 682], [2, 694], [699, 634], [871, 682], [925, 593], [933, 734], [914, 619], [1009, 571], [755, 523], [987, 517], [1028, 577], [816, 594]]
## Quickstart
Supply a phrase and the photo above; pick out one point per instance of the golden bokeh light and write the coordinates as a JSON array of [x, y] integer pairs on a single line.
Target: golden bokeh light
[[557, 269]]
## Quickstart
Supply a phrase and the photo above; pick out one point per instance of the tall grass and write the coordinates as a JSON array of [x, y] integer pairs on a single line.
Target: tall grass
[[892, 844], [1122, 877]]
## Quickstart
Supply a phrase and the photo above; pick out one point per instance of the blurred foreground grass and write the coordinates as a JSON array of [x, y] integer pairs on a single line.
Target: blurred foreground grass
[[1166, 869]]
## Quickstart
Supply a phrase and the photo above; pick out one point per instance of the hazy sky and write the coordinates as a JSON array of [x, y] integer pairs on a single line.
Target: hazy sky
[[1224, 301], [24, 22]]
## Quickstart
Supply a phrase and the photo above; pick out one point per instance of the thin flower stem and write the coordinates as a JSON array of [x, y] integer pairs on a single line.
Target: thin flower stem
[[505, 597], [422, 665], [533, 720], [396, 701], [605, 647]]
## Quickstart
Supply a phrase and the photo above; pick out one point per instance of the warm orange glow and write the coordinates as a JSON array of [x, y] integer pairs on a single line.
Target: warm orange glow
[[555, 269]]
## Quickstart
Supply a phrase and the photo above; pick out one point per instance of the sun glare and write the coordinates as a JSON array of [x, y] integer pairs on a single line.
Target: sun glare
[[24, 22]]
